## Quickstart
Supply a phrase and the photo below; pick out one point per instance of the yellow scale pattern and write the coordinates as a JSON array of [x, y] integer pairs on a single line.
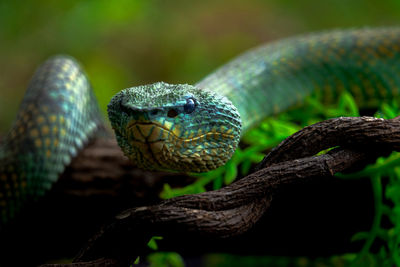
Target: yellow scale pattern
[[57, 115], [157, 144]]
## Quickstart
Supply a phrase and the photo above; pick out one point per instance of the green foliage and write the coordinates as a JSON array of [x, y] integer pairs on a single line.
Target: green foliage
[[386, 171], [222, 260], [162, 259], [153, 242]]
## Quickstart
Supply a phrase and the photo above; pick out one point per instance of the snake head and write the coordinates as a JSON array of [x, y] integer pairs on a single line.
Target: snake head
[[178, 127]]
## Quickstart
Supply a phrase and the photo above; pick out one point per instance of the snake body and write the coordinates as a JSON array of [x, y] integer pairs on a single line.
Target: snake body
[[155, 131], [191, 128], [57, 115], [273, 77]]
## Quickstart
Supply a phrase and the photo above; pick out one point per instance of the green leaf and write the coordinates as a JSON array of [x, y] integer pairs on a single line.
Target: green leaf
[[360, 236], [170, 259], [167, 192], [246, 165], [389, 111], [153, 243], [218, 183], [231, 173], [347, 105]]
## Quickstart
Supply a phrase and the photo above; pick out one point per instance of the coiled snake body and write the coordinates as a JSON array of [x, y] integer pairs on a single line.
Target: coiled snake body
[[183, 127]]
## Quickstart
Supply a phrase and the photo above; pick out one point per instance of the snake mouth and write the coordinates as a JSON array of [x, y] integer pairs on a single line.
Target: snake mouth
[[154, 145], [147, 140], [149, 130], [155, 131]]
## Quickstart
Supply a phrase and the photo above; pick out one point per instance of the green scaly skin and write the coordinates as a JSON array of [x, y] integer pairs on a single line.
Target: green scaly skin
[[156, 133], [57, 116], [183, 127], [260, 82]]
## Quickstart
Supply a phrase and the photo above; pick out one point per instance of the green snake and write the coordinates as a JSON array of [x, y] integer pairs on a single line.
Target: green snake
[[189, 128]]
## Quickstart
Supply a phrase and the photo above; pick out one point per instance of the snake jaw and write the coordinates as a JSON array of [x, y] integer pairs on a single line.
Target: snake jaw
[[155, 146], [147, 140]]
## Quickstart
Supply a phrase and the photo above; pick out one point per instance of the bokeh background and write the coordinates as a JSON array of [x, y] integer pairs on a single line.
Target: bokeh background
[[122, 43]]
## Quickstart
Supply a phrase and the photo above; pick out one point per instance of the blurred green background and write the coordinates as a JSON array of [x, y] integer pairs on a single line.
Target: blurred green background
[[123, 43], [130, 42]]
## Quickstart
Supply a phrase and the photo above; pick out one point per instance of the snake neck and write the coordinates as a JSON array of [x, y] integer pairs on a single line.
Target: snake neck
[[273, 77]]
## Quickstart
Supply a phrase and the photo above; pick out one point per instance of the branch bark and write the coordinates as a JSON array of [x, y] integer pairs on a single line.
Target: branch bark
[[101, 169], [234, 209]]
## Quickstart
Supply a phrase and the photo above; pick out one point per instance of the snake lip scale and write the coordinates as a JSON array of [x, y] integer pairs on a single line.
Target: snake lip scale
[[197, 127], [171, 133]]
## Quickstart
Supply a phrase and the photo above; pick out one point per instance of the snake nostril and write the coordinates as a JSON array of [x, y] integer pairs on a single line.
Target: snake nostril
[[172, 113], [125, 109]]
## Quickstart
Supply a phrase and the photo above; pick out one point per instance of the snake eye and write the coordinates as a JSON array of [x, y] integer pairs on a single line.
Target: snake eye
[[172, 113], [189, 106]]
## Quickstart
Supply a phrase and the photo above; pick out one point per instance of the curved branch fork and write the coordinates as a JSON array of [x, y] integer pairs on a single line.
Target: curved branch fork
[[235, 208]]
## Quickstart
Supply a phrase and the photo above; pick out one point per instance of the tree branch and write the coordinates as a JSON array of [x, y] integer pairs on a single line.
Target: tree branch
[[234, 209]]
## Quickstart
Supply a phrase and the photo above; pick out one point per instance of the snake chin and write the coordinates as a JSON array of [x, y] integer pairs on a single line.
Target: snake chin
[[152, 146]]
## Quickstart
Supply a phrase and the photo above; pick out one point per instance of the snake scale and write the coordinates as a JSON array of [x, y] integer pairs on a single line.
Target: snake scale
[[190, 128]]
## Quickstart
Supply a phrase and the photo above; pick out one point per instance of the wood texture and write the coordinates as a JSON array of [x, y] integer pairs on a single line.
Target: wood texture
[[233, 209]]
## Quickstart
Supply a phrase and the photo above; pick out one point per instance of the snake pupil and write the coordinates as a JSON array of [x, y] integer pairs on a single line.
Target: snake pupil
[[172, 113], [189, 106]]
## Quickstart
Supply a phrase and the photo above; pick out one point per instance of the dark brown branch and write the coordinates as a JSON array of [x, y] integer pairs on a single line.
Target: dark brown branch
[[101, 169], [344, 131], [234, 209]]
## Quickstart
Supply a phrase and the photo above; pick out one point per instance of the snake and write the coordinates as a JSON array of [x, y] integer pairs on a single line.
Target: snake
[[182, 127]]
